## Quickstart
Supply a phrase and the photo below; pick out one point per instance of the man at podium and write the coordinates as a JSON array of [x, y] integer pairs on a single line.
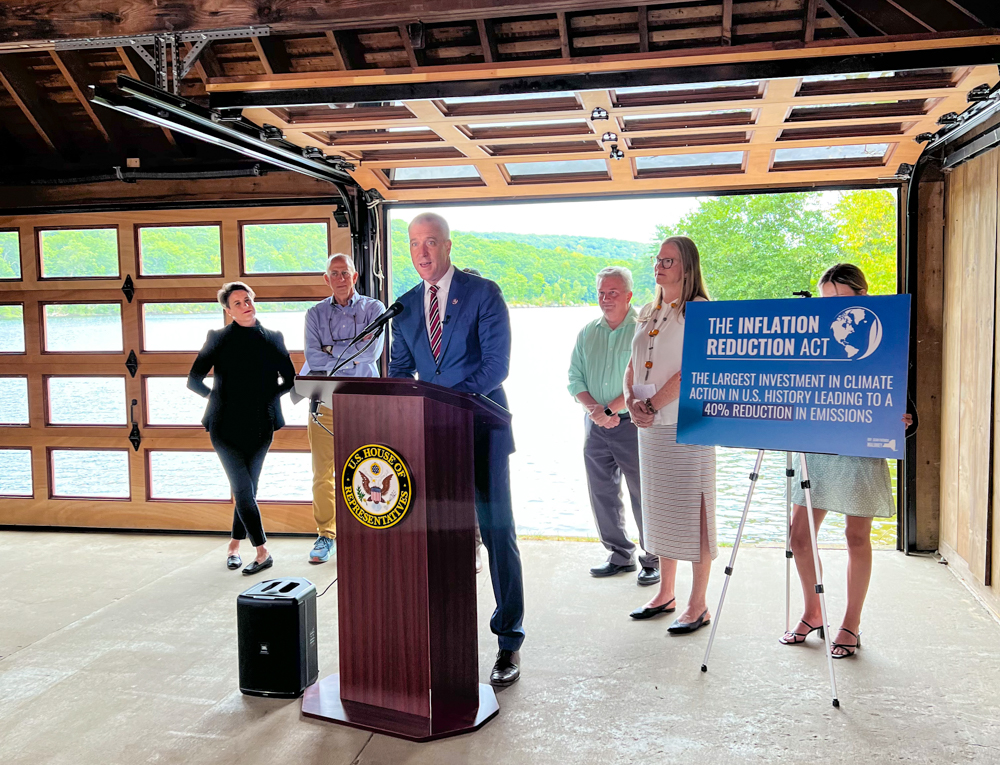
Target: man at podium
[[455, 331]]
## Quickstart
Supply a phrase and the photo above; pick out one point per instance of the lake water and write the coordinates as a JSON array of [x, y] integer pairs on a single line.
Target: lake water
[[547, 474]]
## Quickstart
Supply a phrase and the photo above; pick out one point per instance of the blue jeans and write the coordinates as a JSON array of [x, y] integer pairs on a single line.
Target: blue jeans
[[243, 458]]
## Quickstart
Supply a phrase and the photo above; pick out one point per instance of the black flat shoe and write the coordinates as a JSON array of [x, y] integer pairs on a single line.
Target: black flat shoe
[[610, 569], [254, 567], [649, 613], [648, 576], [505, 671], [683, 628], [234, 562]]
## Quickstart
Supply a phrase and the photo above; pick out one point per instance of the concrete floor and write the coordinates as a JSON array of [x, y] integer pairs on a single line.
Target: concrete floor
[[122, 649]]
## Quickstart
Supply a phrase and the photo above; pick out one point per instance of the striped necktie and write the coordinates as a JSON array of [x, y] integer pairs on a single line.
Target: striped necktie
[[435, 317]]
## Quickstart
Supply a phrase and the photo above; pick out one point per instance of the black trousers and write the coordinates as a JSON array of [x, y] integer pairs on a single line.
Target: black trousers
[[242, 457]]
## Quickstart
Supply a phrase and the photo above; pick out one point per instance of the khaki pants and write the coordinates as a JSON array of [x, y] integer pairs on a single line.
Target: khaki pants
[[324, 497]]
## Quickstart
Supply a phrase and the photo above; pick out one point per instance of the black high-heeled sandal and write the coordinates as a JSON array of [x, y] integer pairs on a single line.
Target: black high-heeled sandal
[[800, 637], [850, 649]]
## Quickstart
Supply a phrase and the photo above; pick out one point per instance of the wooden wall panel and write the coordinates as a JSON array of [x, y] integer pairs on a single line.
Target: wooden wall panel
[[970, 375], [138, 512], [982, 362], [929, 318], [952, 365]]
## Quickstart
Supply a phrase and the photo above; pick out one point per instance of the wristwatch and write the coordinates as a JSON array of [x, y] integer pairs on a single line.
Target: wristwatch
[[649, 403], [608, 412]]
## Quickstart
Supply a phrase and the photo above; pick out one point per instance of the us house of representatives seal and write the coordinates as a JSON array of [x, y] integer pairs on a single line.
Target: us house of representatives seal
[[376, 486]]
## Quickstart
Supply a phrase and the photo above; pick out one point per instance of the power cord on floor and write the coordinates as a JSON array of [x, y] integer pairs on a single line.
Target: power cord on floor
[[327, 588]]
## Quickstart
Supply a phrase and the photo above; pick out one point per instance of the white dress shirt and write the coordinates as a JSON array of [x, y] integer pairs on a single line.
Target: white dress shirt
[[443, 284]]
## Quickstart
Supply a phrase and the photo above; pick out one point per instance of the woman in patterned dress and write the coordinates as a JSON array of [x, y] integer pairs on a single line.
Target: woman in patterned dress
[[678, 481], [857, 487]]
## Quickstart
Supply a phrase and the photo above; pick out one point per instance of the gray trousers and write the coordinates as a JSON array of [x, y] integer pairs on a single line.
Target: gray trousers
[[609, 454]]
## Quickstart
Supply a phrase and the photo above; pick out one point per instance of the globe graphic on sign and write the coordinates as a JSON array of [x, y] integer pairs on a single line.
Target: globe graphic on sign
[[858, 332]]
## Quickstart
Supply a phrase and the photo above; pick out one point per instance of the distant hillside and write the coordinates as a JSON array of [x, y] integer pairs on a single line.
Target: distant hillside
[[585, 245], [532, 270]]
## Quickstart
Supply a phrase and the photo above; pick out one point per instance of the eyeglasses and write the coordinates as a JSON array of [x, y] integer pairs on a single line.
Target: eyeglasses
[[663, 262]]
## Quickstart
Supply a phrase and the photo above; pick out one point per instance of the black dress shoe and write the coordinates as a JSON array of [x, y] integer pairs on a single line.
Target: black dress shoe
[[505, 671], [682, 628], [254, 567], [234, 562], [610, 569], [648, 576], [649, 613]]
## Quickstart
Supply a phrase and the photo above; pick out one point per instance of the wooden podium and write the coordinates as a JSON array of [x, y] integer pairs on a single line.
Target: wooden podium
[[409, 656]]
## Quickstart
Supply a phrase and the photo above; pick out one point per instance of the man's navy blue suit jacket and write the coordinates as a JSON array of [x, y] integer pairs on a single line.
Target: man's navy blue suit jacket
[[475, 344]]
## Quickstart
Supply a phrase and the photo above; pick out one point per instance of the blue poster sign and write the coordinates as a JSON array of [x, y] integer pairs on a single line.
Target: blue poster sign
[[823, 375]]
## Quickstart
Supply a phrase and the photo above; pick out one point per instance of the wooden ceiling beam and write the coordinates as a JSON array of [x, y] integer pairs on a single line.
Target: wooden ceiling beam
[[884, 16], [488, 40], [29, 20], [912, 15], [809, 28], [838, 18], [743, 55], [272, 54], [727, 22], [21, 83], [338, 56], [415, 56], [564, 46], [77, 74], [642, 20]]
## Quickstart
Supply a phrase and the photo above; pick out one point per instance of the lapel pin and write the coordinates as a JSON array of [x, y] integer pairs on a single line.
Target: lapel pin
[[454, 301]]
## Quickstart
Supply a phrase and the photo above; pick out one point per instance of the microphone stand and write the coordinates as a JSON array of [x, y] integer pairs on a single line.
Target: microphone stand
[[347, 361]]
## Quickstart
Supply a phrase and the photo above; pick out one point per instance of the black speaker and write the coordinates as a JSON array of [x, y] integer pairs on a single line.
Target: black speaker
[[276, 620]]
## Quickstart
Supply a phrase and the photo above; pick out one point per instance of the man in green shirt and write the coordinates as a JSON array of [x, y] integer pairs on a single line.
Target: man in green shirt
[[611, 446]]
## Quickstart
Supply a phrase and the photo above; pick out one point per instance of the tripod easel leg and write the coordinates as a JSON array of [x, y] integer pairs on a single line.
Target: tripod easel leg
[[789, 475], [732, 557], [819, 580]]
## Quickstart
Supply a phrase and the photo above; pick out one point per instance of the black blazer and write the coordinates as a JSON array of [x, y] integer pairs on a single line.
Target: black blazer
[[252, 371]]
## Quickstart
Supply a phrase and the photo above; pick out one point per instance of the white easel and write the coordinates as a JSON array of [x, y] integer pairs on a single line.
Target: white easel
[[788, 557]]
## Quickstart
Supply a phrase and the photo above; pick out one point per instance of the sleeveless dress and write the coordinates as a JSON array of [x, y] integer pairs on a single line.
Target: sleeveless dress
[[674, 477], [858, 486]]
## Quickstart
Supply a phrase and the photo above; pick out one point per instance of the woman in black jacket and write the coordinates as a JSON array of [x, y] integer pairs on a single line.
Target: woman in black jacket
[[252, 371]]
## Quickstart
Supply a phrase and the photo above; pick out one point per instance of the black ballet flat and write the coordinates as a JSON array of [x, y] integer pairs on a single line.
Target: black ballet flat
[[683, 628], [649, 613], [254, 567], [234, 562]]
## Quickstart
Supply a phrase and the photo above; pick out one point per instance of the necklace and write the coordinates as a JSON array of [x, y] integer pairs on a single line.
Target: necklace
[[654, 331]]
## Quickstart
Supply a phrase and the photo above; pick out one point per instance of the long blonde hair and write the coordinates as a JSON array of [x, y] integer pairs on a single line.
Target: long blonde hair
[[693, 285]]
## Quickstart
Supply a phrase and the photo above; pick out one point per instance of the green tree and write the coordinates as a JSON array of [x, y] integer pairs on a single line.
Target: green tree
[[759, 246], [866, 235]]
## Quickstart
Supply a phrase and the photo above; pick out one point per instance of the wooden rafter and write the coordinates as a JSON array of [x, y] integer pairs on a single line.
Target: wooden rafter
[[838, 18], [411, 53], [809, 28], [272, 54], [642, 21], [74, 70], [33, 19], [912, 15], [22, 85], [338, 57], [727, 22], [564, 46]]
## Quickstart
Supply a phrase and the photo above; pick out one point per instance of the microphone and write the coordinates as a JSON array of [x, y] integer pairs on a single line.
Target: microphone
[[394, 310]]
